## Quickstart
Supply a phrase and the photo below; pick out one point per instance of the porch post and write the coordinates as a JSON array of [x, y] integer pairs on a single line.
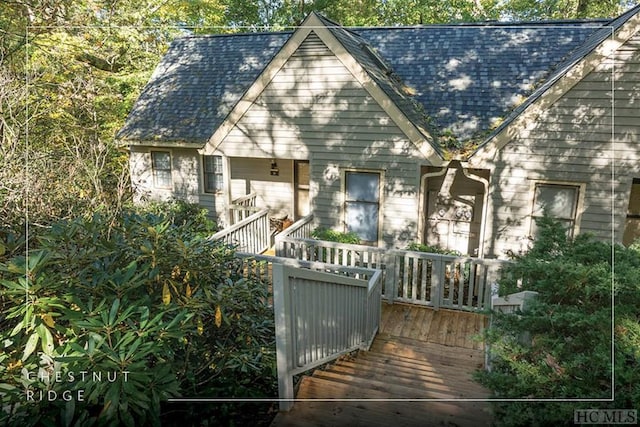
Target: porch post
[[437, 280], [281, 309], [390, 276], [226, 177]]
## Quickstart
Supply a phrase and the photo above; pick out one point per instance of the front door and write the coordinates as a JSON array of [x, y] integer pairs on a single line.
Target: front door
[[301, 188], [454, 205]]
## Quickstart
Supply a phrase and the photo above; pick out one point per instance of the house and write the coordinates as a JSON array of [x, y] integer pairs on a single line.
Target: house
[[452, 135]]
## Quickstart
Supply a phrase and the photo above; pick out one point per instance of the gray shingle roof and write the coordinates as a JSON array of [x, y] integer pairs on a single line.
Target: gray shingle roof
[[196, 85], [561, 69], [465, 77], [468, 77]]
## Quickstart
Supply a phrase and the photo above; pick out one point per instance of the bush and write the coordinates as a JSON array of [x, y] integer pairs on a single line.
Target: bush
[[155, 308], [335, 236], [419, 247], [560, 348], [180, 213]]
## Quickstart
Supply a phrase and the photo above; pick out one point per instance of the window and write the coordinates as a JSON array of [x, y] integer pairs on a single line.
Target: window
[[557, 201], [213, 182], [161, 166], [362, 204]]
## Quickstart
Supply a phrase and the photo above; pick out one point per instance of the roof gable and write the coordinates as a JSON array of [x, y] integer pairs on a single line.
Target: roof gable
[[466, 78], [370, 74], [601, 44]]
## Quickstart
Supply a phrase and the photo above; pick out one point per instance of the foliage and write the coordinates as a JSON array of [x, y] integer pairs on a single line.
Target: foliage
[[158, 310], [181, 214], [335, 236], [561, 347], [67, 84], [420, 247]]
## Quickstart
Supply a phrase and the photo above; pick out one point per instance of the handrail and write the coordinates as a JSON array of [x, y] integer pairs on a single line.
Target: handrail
[[250, 199], [301, 226], [315, 323], [250, 234]]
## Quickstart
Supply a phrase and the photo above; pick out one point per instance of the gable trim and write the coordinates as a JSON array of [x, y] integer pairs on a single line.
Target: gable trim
[[564, 83], [254, 91], [415, 135], [313, 24]]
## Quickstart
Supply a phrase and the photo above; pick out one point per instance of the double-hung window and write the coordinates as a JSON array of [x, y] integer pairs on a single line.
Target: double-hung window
[[212, 166], [557, 201], [161, 167], [362, 204]]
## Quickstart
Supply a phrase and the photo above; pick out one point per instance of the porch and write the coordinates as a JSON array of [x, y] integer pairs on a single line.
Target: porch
[[333, 328]]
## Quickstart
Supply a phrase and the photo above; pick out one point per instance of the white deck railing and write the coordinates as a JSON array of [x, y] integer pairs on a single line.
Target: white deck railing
[[242, 208], [430, 279], [249, 235], [321, 311], [298, 230]]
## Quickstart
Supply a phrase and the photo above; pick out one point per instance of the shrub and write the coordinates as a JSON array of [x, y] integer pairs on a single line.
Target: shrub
[[420, 247], [163, 311], [560, 348], [335, 236]]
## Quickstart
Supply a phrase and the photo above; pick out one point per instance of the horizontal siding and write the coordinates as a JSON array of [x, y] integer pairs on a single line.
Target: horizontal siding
[[315, 109], [250, 175], [575, 140], [184, 175]]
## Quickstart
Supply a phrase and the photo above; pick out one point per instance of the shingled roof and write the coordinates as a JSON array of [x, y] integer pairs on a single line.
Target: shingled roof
[[466, 78]]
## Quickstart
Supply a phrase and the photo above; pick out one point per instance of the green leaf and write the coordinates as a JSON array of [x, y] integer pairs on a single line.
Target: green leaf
[[114, 311], [31, 346], [17, 329], [46, 339], [69, 412]]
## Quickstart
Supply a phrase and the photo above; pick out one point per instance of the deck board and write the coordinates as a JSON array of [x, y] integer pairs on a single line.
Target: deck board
[[420, 353]]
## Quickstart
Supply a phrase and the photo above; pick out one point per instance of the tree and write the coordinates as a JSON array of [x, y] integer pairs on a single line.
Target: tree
[[560, 347]]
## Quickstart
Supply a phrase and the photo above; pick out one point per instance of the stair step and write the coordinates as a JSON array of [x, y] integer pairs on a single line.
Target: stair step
[[377, 412], [421, 379], [399, 363], [404, 390], [427, 352]]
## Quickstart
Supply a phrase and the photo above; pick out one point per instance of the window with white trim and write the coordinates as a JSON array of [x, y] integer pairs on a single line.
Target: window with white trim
[[362, 204], [557, 201], [161, 167], [213, 179]]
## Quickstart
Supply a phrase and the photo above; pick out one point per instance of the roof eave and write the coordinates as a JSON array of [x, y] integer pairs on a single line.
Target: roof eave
[[552, 90]]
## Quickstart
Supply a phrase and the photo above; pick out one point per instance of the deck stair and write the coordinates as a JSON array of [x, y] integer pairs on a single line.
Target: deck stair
[[388, 385]]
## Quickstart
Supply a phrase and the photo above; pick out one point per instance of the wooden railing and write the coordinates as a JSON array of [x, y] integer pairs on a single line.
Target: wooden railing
[[249, 235], [321, 311], [242, 207], [435, 280]]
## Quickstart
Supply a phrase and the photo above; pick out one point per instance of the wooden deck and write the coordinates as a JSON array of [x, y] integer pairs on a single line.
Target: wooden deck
[[419, 354]]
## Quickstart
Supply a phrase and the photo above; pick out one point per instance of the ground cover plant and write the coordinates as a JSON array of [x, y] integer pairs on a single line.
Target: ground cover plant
[[147, 302]]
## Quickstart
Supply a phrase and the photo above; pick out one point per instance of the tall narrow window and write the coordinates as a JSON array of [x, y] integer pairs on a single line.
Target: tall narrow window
[[557, 201], [161, 166], [213, 174], [362, 204]]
